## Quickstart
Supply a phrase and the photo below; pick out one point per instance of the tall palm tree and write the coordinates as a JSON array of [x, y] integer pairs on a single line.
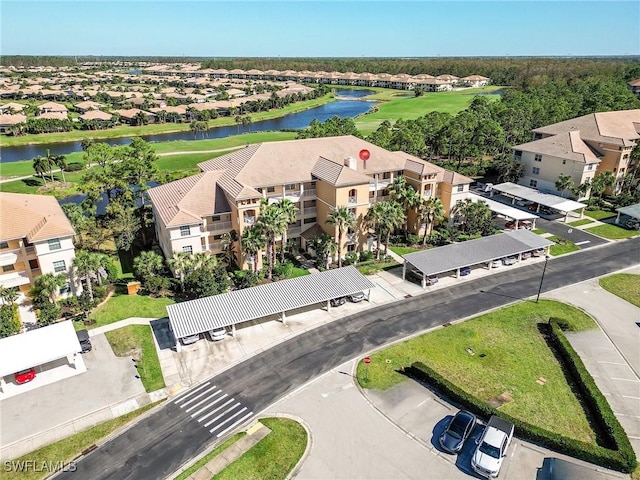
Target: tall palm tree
[[229, 240], [430, 210], [403, 193], [8, 295], [252, 241], [180, 263], [374, 219], [325, 246], [342, 219], [47, 285], [563, 183], [393, 216], [87, 264], [60, 162], [289, 211], [272, 223], [41, 166]]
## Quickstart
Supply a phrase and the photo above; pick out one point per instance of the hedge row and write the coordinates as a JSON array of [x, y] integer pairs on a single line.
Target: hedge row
[[621, 458]]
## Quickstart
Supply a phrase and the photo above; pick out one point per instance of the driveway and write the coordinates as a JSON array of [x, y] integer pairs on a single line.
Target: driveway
[[581, 238]]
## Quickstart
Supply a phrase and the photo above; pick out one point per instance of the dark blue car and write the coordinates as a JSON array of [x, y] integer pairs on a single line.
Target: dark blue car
[[465, 271], [458, 430]]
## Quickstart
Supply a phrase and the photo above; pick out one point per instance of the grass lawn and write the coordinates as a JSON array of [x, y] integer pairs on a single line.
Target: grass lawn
[[582, 221], [561, 248], [137, 341], [510, 354], [273, 457], [69, 448], [539, 231], [624, 285], [599, 214], [403, 250], [209, 456], [122, 306], [612, 232], [298, 272], [370, 268]]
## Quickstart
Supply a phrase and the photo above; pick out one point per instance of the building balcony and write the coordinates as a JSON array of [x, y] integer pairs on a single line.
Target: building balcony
[[9, 257], [353, 200], [249, 221], [309, 193], [351, 238], [310, 211], [14, 279], [216, 245], [427, 193], [219, 226], [292, 231]]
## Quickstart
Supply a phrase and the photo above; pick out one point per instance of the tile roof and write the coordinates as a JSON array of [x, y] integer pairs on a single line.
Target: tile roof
[[12, 119], [96, 115], [336, 174], [567, 145], [37, 217]]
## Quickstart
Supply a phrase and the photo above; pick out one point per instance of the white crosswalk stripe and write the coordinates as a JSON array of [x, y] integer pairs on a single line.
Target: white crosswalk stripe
[[214, 409]]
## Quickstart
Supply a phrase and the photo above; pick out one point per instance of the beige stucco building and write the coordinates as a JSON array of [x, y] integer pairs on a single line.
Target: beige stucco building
[[581, 148], [35, 238], [317, 175]]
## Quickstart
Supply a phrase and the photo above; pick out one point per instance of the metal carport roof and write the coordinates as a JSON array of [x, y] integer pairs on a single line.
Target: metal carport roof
[[36, 347], [631, 210], [203, 314], [503, 209], [472, 252], [546, 199]]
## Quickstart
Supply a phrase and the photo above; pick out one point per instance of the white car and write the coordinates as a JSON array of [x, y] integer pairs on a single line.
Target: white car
[[218, 334], [492, 447], [189, 339], [495, 263], [510, 260]]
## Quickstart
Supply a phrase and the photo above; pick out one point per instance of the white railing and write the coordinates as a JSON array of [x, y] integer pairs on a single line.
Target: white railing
[[310, 211], [217, 226], [353, 200], [427, 193], [248, 221], [9, 257], [309, 193]]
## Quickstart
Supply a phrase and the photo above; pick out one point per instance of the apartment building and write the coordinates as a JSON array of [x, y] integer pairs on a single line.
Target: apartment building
[[317, 175], [35, 238], [581, 148]]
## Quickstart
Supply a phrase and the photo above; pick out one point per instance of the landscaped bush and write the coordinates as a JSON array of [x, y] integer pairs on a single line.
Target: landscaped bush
[[9, 320], [620, 457], [350, 259], [74, 167], [365, 256]]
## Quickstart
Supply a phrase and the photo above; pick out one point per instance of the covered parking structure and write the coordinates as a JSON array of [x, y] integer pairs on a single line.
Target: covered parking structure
[[514, 214], [520, 192], [39, 347], [473, 252], [632, 210], [229, 309]]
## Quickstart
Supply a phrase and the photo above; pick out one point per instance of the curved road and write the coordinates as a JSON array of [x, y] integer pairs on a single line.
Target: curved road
[[159, 444]]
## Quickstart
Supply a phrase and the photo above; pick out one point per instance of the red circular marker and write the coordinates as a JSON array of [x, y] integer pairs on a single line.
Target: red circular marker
[[364, 155], [367, 360]]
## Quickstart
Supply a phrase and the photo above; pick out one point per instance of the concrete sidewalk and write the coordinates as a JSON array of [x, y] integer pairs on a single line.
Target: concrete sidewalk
[[122, 323]]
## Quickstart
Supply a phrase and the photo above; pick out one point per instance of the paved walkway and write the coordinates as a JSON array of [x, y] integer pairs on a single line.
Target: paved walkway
[[122, 323]]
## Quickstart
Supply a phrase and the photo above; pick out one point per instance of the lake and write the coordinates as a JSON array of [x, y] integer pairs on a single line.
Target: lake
[[348, 106]]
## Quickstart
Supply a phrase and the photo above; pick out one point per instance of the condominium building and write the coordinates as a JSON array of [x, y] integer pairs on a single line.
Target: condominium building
[[317, 175], [581, 148], [36, 238]]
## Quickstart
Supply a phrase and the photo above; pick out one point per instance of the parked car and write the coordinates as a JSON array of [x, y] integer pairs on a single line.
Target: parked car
[[510, 225], [336, 302], [547, 210], [189, 339], [632, 224], [525, 255], [457, 431], [25, 376], [495, 263], [218, 334], [465, 271], [524, 203], [510, 260], [538, 252], [85, 342], [356, 297], [416, 276], [492, 447], [532, 207]]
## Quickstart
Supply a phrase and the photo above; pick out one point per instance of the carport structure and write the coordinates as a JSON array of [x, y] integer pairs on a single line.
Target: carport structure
[[229, 309], [38, 347], [514, 214], [473, 252], [632, 210], [520, 192]]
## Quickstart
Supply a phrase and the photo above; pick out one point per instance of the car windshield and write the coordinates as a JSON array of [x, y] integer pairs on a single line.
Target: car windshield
[[490, 450], [22, 372], [457, 427]]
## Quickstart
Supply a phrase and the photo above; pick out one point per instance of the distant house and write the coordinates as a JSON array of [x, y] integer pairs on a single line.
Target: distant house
[[9, 122], [474, 81], [12, 107], [95, 119], [51, 107], [634, 86], [132, 115], [83, 107]]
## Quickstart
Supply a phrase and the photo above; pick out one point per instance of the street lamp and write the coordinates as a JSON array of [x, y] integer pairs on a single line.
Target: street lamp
[[546, 259]]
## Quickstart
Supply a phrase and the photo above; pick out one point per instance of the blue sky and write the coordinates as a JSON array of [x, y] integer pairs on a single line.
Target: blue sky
[[320, 29]]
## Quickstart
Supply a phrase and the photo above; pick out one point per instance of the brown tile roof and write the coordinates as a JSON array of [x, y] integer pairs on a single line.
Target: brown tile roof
[[88, 105], [96, 115], [54, 115], [567, 145], [52, 107], [336, 174], [12, 119], [187, 200], [16, 107], [618, 128], [37, 217]]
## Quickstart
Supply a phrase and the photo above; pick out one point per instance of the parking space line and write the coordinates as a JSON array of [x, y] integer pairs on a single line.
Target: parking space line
[[234, 424], [217, 409], [626, 379], [188, 394], [613, 363], [228, 419], [202, 401], [228, 410]]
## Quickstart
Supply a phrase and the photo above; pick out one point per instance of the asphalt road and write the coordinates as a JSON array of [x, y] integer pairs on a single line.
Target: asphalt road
[[580, 237], [162, 442]]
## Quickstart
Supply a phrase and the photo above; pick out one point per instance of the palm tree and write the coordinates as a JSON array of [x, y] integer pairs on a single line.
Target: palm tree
[[41, 165], [229, 240], [60, 162], [252, 241], [563, 183], [289, 211], [393, 216], [47, 285], [180, 263], [8, 295], [374, 219], [403, 193], [342, 219], [271, 222], [600, 183], [430, 210], [325, 246], [86, 263]]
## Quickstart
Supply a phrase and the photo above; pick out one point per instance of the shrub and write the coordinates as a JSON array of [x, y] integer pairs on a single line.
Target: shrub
[[413, 239], [350, 258], [9, 320], [48, 313], [366, 256], [74, 167], [282, 270]]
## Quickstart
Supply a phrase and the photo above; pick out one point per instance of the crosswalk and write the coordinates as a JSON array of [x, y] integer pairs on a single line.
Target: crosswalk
[[214, 409]]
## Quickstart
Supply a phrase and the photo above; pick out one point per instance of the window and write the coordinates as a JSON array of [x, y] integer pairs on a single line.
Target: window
[[185, 231], [54, 244], [187, 249], [536, 170], [259, 189], [533, 183], [290, 186], [460, 188], [66, 288], [310, 220], [4, 244], [59, 266], [351, 247], [215, 218], [271, 189], [8, 268], [517, 153], [537, 158], [590, 166]]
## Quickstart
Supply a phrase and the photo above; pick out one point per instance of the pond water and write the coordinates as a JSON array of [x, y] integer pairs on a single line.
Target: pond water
[[347, 107]]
